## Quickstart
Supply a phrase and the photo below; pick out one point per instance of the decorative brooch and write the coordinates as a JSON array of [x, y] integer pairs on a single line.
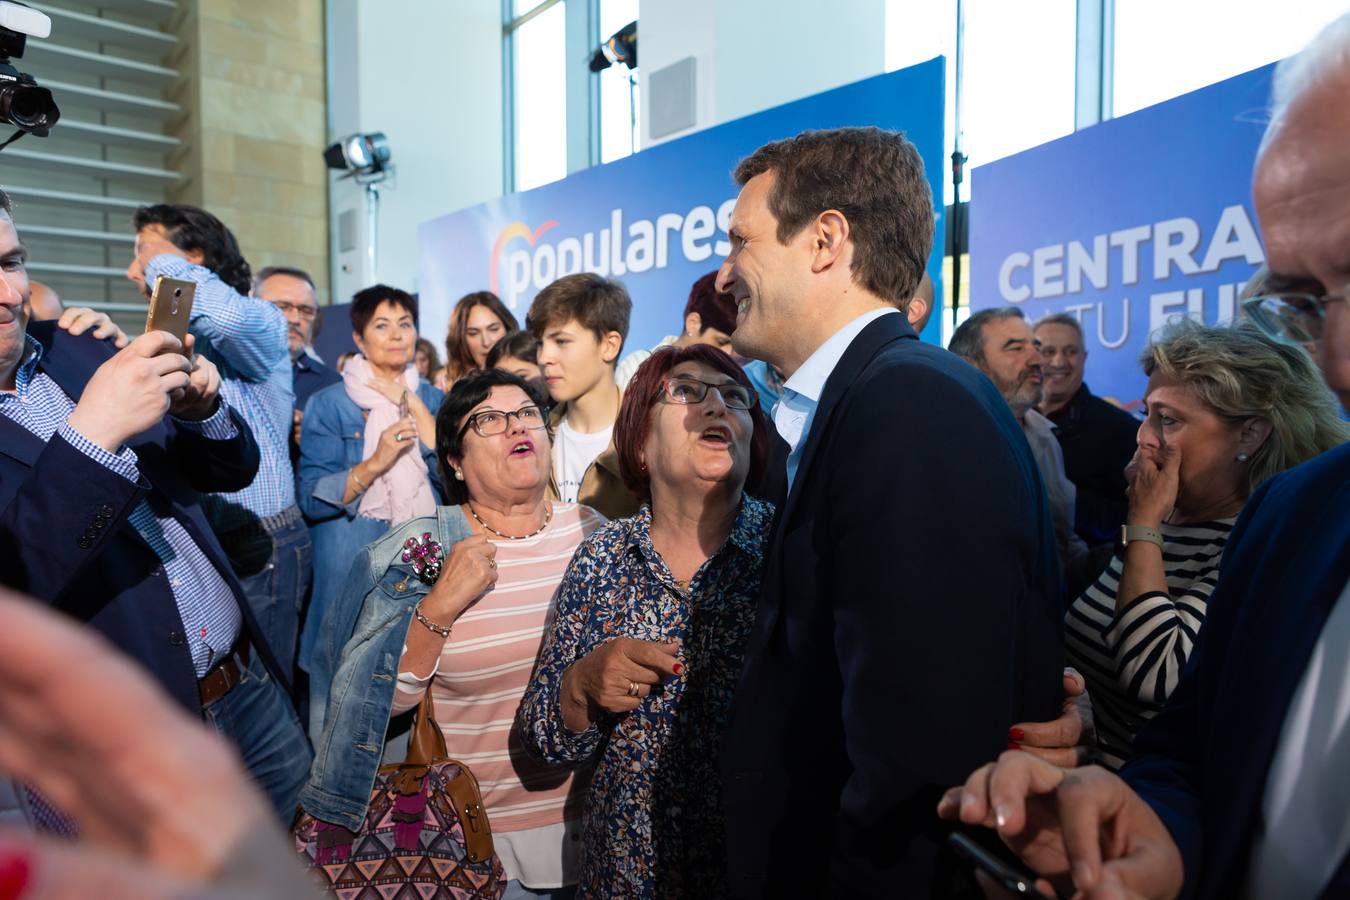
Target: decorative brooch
[[426, 557]]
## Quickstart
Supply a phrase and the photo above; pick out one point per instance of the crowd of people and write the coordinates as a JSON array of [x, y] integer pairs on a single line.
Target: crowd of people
[[769, 609]]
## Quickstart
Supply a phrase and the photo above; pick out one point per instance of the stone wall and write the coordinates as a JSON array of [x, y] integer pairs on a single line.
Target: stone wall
[[254, 126]]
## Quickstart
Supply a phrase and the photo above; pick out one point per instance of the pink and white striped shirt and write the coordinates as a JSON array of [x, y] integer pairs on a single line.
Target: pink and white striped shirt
[[482, 673]]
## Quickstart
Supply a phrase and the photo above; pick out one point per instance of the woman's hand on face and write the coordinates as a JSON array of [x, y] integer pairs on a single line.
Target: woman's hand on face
[[616, 677], [1153, 484], [394, 442], [468, 573]]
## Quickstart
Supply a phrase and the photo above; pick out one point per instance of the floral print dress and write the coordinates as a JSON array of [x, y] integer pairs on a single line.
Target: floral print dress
[[653, 819]]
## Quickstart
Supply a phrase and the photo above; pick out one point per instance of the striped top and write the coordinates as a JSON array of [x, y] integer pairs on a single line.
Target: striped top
[[1132, 657], [482, 674]]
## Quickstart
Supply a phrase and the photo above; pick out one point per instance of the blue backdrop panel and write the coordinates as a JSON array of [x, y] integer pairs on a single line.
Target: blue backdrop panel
[[1127, 225], [334, 336], [655, 220]]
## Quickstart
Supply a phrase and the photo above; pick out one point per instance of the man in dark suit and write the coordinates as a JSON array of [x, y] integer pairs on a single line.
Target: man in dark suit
[[100, 516], [1238, 786], [1098, 439], [908, 615]]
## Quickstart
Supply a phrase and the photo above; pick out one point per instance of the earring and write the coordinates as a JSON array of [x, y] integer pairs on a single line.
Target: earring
[[459, 476], [1242, 457]]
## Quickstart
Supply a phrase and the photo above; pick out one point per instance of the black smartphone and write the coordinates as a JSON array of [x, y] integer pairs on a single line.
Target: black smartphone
[[1010, 878]]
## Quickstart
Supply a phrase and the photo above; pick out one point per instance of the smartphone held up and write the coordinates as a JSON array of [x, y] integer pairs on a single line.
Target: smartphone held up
[[171, 307]]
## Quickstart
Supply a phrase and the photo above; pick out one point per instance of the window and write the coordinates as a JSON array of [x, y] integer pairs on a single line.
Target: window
[[537, 43], [619, 89], [1019, 70], [917, 31], [1019, 89], [1164, 48]]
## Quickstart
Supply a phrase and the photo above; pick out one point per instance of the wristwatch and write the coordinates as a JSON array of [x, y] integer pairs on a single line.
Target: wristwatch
[[1130, 533]]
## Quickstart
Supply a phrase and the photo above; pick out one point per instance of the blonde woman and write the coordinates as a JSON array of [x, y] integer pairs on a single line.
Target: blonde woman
[[1227, 408]]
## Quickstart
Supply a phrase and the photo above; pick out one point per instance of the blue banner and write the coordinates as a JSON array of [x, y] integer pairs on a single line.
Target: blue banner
[[656, 220], [1127, 225]]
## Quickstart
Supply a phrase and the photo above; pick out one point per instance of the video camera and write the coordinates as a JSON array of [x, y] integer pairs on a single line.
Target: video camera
[[23, 104]]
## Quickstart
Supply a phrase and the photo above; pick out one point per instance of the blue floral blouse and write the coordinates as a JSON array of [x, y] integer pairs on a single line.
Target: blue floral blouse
[[653, 821]]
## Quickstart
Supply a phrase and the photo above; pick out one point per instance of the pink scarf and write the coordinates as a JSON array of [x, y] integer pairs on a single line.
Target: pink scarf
[[403, 492]]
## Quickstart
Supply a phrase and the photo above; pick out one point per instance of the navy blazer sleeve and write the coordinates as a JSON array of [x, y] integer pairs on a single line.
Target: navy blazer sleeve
[[216, 466], [61, 516], [922, 708], [1166, 767], [69, 504]]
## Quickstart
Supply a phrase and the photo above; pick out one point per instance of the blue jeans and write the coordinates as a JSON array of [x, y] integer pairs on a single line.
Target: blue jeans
[[257, 718], [277, 591]]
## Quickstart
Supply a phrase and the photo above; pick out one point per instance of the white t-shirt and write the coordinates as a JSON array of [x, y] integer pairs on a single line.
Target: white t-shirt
[[573, 453]]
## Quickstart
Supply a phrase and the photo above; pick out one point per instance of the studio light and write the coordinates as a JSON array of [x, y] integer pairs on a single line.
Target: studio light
[[365, 158], [620, 48], [361, 155]]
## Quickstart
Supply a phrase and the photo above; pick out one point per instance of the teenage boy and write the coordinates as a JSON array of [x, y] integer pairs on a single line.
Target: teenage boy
[[581, 321]]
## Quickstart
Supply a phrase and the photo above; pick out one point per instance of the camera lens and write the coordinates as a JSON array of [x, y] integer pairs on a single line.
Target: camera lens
[[178, 292], [28, 108]]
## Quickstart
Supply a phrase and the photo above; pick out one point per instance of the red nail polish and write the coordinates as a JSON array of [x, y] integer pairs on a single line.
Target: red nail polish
[[15, 872], [679, 668], [1016, 734], [1013, 745]]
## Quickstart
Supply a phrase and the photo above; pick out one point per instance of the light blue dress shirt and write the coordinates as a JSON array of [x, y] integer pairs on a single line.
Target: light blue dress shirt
[[801, 393], [246, 338]]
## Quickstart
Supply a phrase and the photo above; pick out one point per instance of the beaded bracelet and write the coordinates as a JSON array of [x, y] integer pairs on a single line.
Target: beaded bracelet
[[442, 630]]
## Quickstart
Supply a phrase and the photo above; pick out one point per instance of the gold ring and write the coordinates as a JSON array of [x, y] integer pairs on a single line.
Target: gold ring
[[633, 689]]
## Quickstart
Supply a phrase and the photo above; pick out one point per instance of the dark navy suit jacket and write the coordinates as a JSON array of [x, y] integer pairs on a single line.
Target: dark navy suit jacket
[[1202, 761], [909, 615], [311, 376], [52, 496]]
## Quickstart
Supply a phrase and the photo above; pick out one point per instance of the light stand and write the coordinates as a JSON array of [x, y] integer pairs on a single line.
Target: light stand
[[365, 158], [958, 226], [372, 187]]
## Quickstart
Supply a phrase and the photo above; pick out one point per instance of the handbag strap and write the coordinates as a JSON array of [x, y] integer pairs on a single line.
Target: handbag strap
[[427, 747], [427, 744]]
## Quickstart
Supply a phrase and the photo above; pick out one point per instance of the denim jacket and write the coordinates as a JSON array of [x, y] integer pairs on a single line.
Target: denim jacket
[[332, 441], [356, 658]]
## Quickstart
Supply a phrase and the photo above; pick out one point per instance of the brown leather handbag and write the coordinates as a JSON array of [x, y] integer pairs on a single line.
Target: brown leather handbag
[[426, 833]]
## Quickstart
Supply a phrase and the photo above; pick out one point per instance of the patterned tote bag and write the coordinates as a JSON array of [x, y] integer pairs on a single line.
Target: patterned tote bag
[[426, 834]]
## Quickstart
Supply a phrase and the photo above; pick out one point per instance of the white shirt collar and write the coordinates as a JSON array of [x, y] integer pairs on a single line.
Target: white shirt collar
[[1038, 424], [809, 380]]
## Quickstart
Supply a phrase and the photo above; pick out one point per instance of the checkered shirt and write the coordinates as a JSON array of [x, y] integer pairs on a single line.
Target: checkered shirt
[[206, 604], [246, 338]]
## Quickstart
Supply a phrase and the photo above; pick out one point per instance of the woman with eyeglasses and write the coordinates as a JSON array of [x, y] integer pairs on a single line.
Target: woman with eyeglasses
[[1227, 407], [639, 667], [459, 599]]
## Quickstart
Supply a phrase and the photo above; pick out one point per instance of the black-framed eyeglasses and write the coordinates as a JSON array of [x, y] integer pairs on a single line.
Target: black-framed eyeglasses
[[306, 312], [488, 422], [685, 390], [1290, 318]]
